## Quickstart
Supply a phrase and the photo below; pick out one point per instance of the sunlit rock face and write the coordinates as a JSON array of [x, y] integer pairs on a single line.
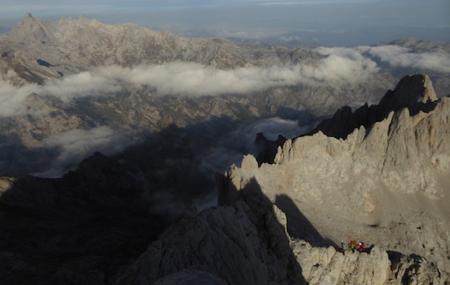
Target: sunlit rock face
[[246, 241], [385, 182]]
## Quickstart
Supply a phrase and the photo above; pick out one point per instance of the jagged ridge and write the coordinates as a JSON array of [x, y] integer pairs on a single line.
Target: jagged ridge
[[386, 183]]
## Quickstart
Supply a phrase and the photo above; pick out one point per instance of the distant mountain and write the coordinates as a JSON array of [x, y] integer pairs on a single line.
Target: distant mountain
[[74, 45], [62, 57], [112, 85]]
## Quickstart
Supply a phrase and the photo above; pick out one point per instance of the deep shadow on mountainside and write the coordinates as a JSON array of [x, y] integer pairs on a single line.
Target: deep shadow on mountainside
[[200, 122], [90, 225], [85, 226], [102, 215]]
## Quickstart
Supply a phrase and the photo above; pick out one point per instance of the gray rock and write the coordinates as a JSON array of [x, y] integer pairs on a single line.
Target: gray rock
[[246, 242], [243, 243], [386, 183]]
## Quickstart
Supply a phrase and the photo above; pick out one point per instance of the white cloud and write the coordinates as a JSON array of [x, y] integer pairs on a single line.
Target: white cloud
[[404, 57], [338, 68], [12, 98], [344, 66], [92, 83], [190, 79], [395, 56]]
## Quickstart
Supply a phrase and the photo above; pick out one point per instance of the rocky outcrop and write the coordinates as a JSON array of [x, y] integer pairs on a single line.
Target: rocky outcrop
[[386, 183], [242, 243], [245, 241], [415, 92], [328, 266]]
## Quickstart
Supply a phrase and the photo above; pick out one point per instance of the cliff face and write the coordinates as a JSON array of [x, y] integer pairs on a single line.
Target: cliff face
[[327, 266], [245, 241], [385, 183]]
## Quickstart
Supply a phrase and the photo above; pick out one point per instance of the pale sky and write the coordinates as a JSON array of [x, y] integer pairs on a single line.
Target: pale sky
[[315, 22]]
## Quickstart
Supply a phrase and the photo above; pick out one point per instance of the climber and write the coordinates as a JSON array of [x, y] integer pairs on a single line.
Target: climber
[[352, 245], [361, 247]]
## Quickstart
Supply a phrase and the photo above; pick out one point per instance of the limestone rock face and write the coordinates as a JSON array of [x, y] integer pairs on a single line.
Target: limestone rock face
[[328, 266], [414, 92], [386, 183], [241, 243], [246, 242]]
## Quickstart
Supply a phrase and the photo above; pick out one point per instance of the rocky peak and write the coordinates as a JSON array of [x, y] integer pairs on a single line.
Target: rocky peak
[[411, 89], [30, 29], [415, 92]]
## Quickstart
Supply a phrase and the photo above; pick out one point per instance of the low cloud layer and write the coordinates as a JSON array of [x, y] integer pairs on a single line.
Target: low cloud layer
[[403, 57], [395, 56], [338, 67], [190, 79]]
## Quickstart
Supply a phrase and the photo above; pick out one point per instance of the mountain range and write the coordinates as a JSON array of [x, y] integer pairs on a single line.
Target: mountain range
[[129, 156]]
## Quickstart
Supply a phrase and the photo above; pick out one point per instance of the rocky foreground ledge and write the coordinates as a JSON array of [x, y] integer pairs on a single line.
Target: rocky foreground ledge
[[246, 242]]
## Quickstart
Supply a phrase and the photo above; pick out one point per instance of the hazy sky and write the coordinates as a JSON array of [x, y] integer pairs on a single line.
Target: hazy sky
[[320, 22]]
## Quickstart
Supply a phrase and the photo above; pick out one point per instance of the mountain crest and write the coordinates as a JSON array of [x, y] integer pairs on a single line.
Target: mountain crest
[[386, 156], [415, 92], [30, 29], [411, 90]]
